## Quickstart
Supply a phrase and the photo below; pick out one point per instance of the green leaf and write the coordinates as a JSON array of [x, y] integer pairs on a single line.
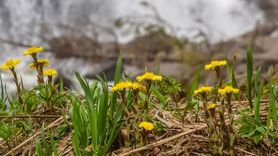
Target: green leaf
[[160, 97], [257, 138]]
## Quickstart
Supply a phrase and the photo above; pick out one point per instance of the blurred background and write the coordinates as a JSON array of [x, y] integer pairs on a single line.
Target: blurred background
[[176, 35]]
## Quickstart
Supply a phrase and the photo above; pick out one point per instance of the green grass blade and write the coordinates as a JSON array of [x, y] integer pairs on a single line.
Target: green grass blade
[[249, 75], [117, 78], [38, 149], [259, 92]]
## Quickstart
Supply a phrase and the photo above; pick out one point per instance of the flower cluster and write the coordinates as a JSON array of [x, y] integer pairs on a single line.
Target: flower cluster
[[32, 51], [10, 64], [214, 64], [128, 85], [149, 76], [228, 90], [50, 72], [146, 125], [40, 62], [203, 90]]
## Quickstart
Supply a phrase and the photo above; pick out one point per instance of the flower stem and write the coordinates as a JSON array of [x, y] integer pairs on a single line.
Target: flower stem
[[18, 88]]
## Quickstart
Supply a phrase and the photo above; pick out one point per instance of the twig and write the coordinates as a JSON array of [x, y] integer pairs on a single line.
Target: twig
[[56, 122], [149, 146], [242, 150]]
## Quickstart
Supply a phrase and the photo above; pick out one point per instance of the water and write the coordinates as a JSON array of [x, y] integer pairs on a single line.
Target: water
[[33, 22]]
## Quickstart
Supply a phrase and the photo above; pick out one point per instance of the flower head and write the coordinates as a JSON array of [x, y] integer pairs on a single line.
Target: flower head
[[128, 85], [214, 64], [50, 72], [228, 90], [203, 90], [211, 106], [120, 86], [149, 76], [138, 86], [146, 125], [41, 62], [33, 50], [10, 64]]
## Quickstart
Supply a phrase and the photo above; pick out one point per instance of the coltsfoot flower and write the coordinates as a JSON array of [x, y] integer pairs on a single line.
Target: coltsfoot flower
[[146, 125], [138, 86], [121, 86], [128, 85], [149, 76], [211, 106], [33, 50], [203, 90], [10, 64], [41, 62], [228, 90], [214, 64], [50, 72]]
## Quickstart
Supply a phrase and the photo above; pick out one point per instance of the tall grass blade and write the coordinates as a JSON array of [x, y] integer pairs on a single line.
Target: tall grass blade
[[270, 104], [117, 78], [259, 92], [249, 75], [38, 149]]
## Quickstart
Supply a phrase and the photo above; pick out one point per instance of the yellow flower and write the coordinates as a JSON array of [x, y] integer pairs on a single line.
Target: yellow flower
[[138, 86], [10, 64], [128, 85], [120, 86], [214, 64], [203, 90], [42, 62], [146, 125], [211, 106], [228, 90], [33, 50], [149, 76], [50, 72]]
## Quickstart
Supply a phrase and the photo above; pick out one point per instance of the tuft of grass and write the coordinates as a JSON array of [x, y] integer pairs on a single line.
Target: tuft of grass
[[94, 120]]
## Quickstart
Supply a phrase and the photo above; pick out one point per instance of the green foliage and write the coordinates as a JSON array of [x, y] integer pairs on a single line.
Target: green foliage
[[6, 130], [45, 95], [169, 85], [251, 128]]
